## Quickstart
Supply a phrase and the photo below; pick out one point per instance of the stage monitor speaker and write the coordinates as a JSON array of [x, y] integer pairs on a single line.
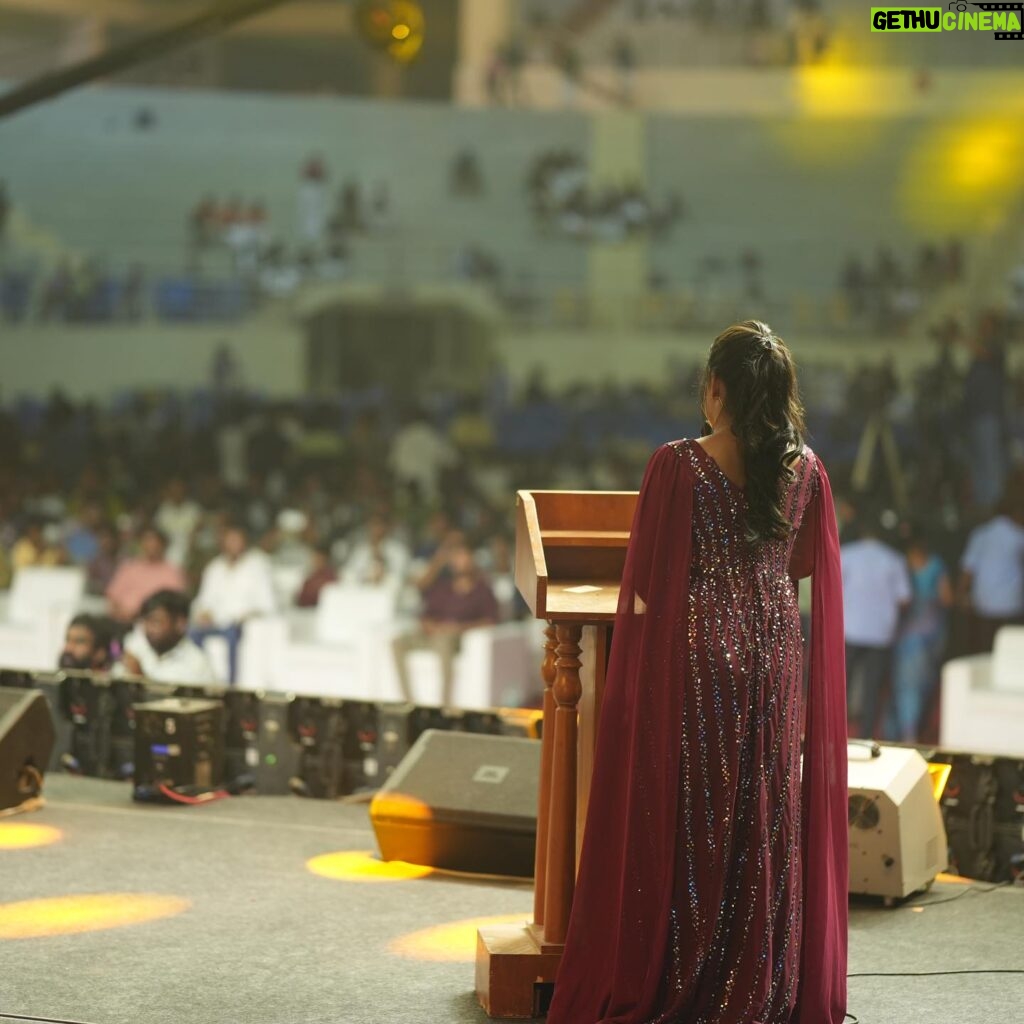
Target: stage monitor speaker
[[462, 801], [278, 751], [27, 736], [897, 838], [983, 807]]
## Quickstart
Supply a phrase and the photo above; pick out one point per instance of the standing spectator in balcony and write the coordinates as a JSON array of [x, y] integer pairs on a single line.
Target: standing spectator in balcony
[[876, 588], [56, 295], [379, 559], [178, 516], [312, 202], [237, 585], [456, 597], [133, 294], [567, 60], [854, 282], [160, 648], [466, 178], [321, 574], [139, 577], [992, 576], [624, 58], [225, 371], [202, 230]]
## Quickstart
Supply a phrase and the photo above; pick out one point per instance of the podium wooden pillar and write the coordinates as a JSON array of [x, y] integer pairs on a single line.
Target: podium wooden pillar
[[570, 552]]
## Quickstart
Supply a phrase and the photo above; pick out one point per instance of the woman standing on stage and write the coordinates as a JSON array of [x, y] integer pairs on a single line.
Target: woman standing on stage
[[712, 886]]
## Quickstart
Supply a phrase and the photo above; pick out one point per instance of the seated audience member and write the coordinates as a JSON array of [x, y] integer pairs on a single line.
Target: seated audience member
[[87, 644], [137, 578], [101, 569], [34, 548], [160, 648], [379, 558], [179, 517], [81, 542], [322, 572], [456, 597], [235, 586]]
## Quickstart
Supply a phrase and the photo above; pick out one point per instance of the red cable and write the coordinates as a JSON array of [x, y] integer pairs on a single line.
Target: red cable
[[180, 798]]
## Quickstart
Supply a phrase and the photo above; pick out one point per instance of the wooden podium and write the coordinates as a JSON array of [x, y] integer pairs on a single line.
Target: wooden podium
[[570, 552]]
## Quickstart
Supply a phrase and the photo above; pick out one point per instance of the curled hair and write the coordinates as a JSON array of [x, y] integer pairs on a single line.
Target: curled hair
[[767, 418]]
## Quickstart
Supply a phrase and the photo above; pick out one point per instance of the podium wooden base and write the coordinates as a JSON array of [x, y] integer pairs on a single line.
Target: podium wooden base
[[513, 966]]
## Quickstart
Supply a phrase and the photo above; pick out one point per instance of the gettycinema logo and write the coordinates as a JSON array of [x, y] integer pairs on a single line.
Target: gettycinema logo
[[1003, 20]]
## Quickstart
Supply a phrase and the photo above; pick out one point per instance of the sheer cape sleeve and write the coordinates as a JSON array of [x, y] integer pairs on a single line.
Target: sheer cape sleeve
[[611, 969], [821, 996]]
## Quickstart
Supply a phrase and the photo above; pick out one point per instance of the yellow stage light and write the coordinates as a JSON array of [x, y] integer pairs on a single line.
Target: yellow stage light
[[963, 174], [18, 835], [453, 942], [395, 26], [364, 866], [70, 915]]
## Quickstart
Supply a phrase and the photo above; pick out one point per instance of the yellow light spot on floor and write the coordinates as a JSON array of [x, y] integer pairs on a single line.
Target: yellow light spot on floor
[[18, 835], [453, 942], [69, 915], [364, 866]]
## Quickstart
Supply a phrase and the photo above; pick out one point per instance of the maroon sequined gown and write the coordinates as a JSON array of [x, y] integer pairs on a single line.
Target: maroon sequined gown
[[713, 874]]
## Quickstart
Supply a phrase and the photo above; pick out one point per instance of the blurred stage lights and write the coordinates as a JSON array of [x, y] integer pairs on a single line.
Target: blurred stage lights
[[364, 866], [72, 915], [454, 942], [18, 835], [394, 26], [962, 174]]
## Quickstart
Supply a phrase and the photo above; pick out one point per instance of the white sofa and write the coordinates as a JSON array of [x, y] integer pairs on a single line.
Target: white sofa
[[41, 602], [983, 698], [343, 649]]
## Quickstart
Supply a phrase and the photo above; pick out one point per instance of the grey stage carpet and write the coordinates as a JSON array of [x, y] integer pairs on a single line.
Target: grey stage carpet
[[267, 942]]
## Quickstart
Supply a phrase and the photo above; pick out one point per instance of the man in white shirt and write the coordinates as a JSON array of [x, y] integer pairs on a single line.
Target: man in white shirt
[[876, 589], [236, 586], [992, 578], [419, 455], [159, 647], [380, 559], [179, 517]]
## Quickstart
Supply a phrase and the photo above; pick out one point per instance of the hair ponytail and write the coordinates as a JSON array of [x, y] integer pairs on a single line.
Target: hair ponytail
[[761, 396]]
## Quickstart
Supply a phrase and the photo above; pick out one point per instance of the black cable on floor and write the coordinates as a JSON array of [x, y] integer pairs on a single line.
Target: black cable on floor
[[44, 1020], [936, 974], [949, 899]]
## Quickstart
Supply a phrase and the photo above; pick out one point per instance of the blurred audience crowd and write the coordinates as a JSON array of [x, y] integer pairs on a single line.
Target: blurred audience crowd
[[563, 201], [235, 505], [887, 293]]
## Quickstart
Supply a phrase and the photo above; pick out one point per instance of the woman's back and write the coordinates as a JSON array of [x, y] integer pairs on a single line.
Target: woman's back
[[712, 881]]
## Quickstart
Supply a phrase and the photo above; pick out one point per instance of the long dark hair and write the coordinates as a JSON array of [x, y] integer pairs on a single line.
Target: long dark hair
[[762, 398]]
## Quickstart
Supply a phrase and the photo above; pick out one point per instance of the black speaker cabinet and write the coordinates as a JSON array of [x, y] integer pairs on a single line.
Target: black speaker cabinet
[[278, 752], [49, 683], [179, 742], [26, 741], [463, 801], [983, 807]]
